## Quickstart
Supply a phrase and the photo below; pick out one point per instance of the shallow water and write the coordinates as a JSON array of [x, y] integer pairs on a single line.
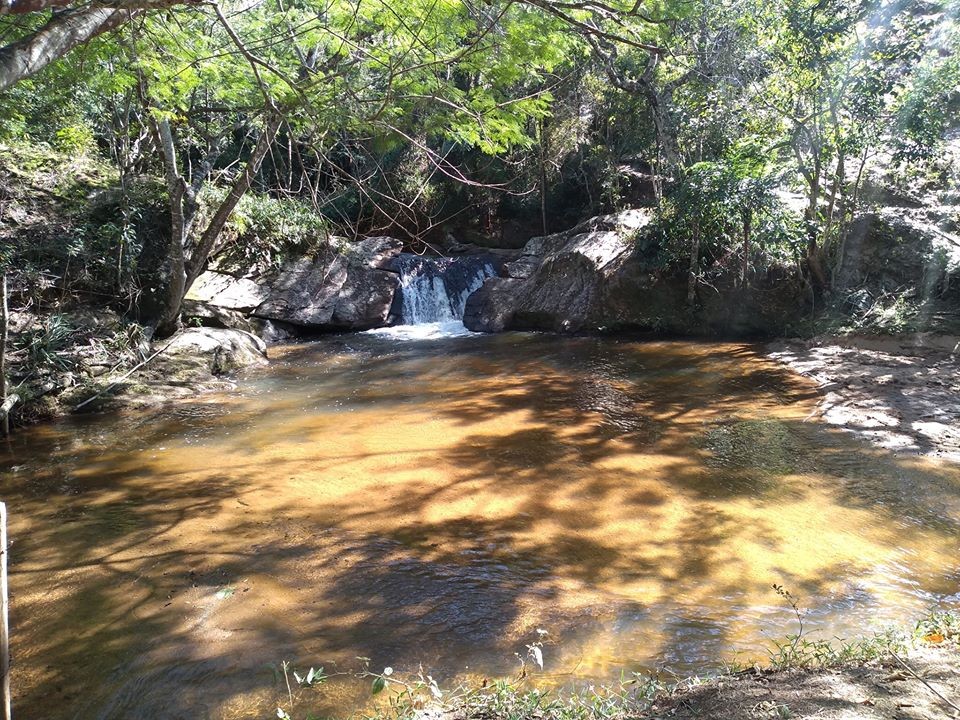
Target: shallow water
[[437, 502]]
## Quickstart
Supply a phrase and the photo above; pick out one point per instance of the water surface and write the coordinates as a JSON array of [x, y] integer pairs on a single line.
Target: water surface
[[437, 502]]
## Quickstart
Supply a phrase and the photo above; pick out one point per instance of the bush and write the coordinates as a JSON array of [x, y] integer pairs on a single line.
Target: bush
[[263, 231]]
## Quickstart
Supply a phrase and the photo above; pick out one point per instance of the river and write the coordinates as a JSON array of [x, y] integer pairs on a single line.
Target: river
[[438, 502]]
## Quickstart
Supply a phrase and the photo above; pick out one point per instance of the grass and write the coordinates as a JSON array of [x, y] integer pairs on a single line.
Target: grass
[[635, 695]]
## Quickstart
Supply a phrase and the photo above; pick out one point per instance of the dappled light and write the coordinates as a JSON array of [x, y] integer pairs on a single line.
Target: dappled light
[[437, 503]]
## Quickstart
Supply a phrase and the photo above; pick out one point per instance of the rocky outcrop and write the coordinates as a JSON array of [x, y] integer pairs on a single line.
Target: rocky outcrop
[[559, 281], [491, 309], [205, 314], [606, 274], [229, 292], [889, 249], [349, 286], [899, 271], [346, 286]]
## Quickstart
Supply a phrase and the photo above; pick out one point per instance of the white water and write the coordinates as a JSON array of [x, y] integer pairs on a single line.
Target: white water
[[425, 331], [434, 293]]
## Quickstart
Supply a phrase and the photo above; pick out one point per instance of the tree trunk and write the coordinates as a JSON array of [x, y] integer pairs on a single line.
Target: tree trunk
[[693, 277], [811, 215], [182, 272], [198, 258], [3, 355], [180, 222], [64, 31], [747, 227], [839, 179], [543, 179], [666, 140]]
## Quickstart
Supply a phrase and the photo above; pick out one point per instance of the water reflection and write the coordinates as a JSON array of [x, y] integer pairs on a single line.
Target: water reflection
[[439, 502]]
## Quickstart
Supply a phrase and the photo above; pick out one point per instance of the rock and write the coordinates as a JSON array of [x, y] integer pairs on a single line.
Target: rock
[[274, 332], [221, 350], [565, 292], [349, 286], [93, 319], [206, 314], [521, 268], [227, 291], [890, 249], [490, 309], [605, 274], [558, 282]]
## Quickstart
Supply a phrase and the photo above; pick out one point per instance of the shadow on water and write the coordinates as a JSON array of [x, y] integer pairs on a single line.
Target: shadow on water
[[439, 502]]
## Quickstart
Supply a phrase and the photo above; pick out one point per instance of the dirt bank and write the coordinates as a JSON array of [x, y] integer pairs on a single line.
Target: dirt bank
[[883, 689], [902, 394]]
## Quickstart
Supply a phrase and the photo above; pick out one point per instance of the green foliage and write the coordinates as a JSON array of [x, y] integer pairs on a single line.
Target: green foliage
[[76, 139], [939, 627], [801, 651], [717, 202], [44, 345], [263, 231]]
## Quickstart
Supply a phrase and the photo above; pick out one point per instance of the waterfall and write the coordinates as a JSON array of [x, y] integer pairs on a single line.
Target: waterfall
[[435, 289]]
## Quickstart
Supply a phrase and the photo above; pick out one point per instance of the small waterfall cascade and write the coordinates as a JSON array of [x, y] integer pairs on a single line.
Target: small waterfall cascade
[[435, 289]]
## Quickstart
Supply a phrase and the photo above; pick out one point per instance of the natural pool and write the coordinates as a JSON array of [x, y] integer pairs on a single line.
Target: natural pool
[[437, 502]]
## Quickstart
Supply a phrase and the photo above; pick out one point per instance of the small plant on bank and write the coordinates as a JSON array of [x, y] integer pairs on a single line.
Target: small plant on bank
[[942, 626], [801, 651], [634, 695]]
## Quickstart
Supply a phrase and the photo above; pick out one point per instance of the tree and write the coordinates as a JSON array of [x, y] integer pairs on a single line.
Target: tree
[[72, 23]]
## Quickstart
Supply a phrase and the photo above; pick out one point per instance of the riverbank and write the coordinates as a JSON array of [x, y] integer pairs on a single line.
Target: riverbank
[[920, 686], [898, 393], [89, 359], [902, 675]]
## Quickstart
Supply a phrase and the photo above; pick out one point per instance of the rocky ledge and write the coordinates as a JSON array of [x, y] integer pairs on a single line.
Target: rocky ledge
[[345, 286], [607, 274]]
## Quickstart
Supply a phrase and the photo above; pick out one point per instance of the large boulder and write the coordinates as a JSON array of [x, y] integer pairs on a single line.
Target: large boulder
[[892, 248], [226, 291], [219, 350], [491, 308], [348, 286], [606, 274], [205, 314], [559, 281]]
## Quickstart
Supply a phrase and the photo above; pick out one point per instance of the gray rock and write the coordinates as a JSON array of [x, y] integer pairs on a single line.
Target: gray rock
[[222, 350], [559, 281], [605, 274], [227, 291], [206, 314], [522, 267], [490, 309], [348, 286]]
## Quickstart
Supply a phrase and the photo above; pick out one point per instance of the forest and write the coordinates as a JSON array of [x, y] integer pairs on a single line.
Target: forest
[[567, 247]]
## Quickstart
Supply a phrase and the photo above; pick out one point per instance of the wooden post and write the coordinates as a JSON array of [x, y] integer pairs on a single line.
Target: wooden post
[[3, 357], [4, 614]]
